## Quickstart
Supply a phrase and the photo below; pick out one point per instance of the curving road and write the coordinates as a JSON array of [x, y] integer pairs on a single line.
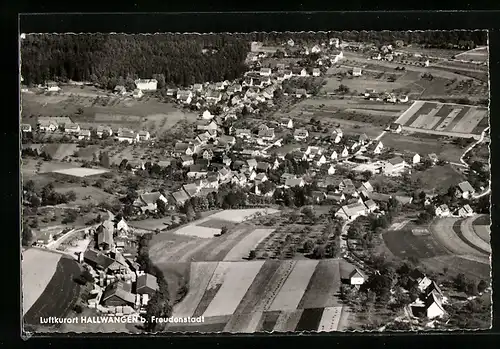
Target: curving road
[[470, 235]]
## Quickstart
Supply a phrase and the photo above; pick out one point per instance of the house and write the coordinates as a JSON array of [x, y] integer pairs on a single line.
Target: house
[[97, 260], [434, 158], [207, 125], [118, 294], [356, 278], [442, 211], [298, 71], [300, 92], [464, 190], [148, 201], [294, 182], [371, 206], [52, 86], [26, 128], [351, 211], [137, 93], [207, 115], [219, 86], [171, 92], [334, 42], [465, 211], [248, 81], [104, 130], [300, 134], [252, 164], [356, 71], [336, 197], [72, 128], [213, 97], [197, 171], [146, 84], [84, 135], [267, 134], [285, 176], [316, 72], [366, 186], [234, 89], [187, 160], [263, 166], [290, 42], [144, 135], [344, 153], [415, 159], [146, 284], [403, 99], [334, 156], [265, 72], [287, 74], [337, 135], [312, 151], [288, 123], [363, 139], [104, 233], [316, 49], [321, 161], [126, 135], [318, 196], [394, 166], [185, 96], [377, 197], [192, 189], [337, 56], [239, 179], [250, 174], [395, 128], [403, 199], [260, 177], [208, 154], [378, 148], [431, 307], [120, 90], [331, 170], [180, 197], [181, 148]]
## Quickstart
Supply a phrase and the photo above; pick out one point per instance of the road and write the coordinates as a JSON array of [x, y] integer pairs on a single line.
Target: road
[[56, 243]]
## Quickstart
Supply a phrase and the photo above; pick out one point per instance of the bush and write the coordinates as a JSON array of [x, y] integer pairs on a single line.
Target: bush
[[78, 308]]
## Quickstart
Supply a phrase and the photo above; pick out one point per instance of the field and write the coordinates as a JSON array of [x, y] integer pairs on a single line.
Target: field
[[444, 118], [86, 195], [81, 171], [198, 231], [243, 248], [59, 295], [264, 296], [404, 244], [482, 228], [438, 177], [91, 107], [38, 267], [479, 54], [423, 144]]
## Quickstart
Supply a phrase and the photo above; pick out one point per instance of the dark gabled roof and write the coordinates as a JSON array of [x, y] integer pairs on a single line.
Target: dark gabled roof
[[181, 146], [150, 198], [396, 160], [105, 233], [121, 290], [97, 258], [379, 196], [180, 196], [198, 168], [147, 280], [465, 186]]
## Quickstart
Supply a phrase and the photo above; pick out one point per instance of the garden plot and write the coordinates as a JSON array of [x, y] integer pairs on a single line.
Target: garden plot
[[243, 248], [330, 319], [81, 171], [287, 321], [310, 319], [166, 247], [231, 240], [238, 216], [292, 291], [323, 287], [201, 232], [38, 267], [201, 273], [470, 120], [236, 283]]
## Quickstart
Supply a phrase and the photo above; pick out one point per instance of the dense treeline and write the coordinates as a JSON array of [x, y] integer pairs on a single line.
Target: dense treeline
[[180, 59], [428, 38]]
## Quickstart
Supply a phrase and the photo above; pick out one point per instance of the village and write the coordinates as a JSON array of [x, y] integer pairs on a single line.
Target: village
[[243, 151]]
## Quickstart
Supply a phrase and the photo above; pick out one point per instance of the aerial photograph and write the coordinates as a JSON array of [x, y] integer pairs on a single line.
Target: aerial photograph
[[261, 182]]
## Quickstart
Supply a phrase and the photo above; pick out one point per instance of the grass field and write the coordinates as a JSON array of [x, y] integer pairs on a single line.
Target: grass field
[[403, 244], [243, 248], [264, 296], [440, 177], [59, 296], [458, 264], [86, 195], [479, 54], [38, 267]]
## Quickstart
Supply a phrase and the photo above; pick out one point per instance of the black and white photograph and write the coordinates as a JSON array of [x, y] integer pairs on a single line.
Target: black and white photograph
[[264, 182]]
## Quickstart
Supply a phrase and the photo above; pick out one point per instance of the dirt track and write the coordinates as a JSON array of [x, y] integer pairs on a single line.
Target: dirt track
[[470, 234]]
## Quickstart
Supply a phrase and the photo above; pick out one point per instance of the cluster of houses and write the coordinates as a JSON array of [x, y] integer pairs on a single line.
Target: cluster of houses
[[120, 286], [429, 304], [463, 190]]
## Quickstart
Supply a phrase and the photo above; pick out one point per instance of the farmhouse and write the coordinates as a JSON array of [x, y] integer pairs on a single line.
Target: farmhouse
[[197, 87], [25, 127], [146, 84], [351, 211], [44, 238], [120, 90], [336, 197], [197, 171], [395, 128], [146, 284], [104, 130], [431, 307], [419, 279], [442, 211], [300, 92], [356, 278], [84, 134], [294, 182], [185, 96], [300, 134], [148, 201], [316, 72], [97, 260], [52, 86], [464, 190], [318, 196], [331, 170], [394, 166], [118, 294], [265, 71], [465, 211], [72, 128], [126, 135], [137, 93], [144, 135], [267, 134], [337, 135], [207, 125], [298, 71], [288, 123], [356, 71], [434, 158], [180, 197], [213, 97], [371, 205], [104, 234]]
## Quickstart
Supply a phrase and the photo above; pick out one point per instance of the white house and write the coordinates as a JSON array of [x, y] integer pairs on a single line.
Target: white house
[[207, 115], [334, 42], [420, 280], [184, 96], [394, 166], [416, 158], [442, 211], [72, 128], [345, 152], [47, 126], [316, 49], [316, 72], [101, 130], [265, 72], [144, 135], [146, 84], [356, 71], [331, 170], [334, 155], [137, 93], [465, 211], [84, 134], [356, 278], [126, 135], [395, 128], [300, 134], [52, 86], [351, 211], [337, 135], [321, 160], [378, 148], [288, 123], [26, 128]]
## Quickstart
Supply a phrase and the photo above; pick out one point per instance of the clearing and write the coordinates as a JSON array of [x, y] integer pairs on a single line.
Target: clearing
[[438, 177]]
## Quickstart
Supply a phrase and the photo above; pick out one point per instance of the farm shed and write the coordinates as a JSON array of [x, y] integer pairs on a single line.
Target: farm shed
[[118, 294], [146, 284]]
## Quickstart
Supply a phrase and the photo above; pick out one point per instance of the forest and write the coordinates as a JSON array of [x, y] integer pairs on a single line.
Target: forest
[[107, 59]]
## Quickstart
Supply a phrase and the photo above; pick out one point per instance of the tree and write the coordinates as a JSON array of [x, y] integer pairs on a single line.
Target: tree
[[252, 255], [29, 186], [481, 286], [319, 252], [309, 214], [161, 207], [104, 159], [158, 307], [460, 282], [471, 288], [70, 195], [308, 246], [27, 235]]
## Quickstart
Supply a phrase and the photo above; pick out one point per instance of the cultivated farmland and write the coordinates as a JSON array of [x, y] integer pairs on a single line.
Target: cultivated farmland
[[38, 267], [195, 230], [243, 248], [59, 295], [440, 118], [81, 171]]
